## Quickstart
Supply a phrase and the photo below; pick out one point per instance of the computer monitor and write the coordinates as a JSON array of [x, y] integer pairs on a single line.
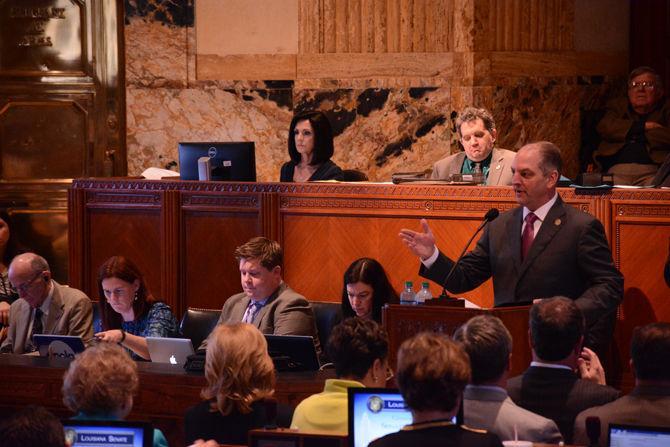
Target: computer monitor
[[635, 436], [229, 161], [376, 412], [292, 352], [80, 433]]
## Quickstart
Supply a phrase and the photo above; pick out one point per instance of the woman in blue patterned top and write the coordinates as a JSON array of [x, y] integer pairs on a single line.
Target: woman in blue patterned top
[[128, 312]]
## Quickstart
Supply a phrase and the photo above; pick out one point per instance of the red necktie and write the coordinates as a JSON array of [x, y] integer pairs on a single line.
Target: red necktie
[[528, 234]]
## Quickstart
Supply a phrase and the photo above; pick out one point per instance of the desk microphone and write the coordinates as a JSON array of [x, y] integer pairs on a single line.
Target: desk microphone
[[488, 217]]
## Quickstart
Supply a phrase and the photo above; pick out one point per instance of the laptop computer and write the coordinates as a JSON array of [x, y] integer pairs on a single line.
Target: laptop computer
[[169, 350], [375, 412], [58, 346], [636, 436], [108, 433], [293, 352]]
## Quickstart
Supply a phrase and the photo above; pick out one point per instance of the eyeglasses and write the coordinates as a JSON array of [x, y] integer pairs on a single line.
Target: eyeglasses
[[23, 288], [646, 85]]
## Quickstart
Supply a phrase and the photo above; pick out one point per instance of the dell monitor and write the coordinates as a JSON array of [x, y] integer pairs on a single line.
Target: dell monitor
[[230, 161]]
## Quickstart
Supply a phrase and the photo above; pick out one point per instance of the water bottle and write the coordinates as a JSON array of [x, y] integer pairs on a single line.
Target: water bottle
[[407, 295], [423, 294]]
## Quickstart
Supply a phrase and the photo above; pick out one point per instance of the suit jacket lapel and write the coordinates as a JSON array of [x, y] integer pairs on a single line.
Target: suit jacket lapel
[[550, 226], [55, 310], [265, 309], [495, 168]]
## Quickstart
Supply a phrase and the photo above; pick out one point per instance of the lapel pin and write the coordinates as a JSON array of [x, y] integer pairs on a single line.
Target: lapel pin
[[557, 222]]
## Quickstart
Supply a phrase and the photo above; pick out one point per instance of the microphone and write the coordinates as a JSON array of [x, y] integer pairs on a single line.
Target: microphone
[[488, 217], [593, 429]]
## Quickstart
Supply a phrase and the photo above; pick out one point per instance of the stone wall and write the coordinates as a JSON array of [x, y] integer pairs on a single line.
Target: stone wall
[[391, 75]]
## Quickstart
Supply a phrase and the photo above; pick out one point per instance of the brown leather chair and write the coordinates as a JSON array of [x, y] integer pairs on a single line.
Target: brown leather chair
[[197, 324]]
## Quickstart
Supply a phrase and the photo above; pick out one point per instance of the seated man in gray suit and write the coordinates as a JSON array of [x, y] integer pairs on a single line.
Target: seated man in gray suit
[[477, 133], [563, 379], [267, 301], [649, 402], [485, 402], [44, 306]]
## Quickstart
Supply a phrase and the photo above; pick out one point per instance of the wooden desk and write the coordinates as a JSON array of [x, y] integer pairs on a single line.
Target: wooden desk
[[165, 392], [182, 236]]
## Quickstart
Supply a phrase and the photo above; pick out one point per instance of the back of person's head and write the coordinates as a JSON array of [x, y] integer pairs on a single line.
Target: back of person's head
[[101, 380], [32, 426], [32, 262], [267, 252], [124, 269], [238, 368], [370, 272], [650, 352], [354, 345], [323, 137], [550, 156], [556, 328], [488, 344], [432, 372]]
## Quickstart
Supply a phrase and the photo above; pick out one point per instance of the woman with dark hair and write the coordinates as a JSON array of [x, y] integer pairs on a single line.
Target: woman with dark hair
[[128, 312], [359, 351], [366, 289], [310, 146], [9, 247]]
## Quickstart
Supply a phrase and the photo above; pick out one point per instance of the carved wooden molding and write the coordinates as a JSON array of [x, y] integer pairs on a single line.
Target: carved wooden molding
[[190, 201]]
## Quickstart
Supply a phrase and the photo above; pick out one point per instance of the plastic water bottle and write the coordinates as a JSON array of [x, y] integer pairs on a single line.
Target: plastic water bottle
[[423, 294], [407, 295]]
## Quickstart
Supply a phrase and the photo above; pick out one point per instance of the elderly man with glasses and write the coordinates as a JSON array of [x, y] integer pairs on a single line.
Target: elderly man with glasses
[[635, 131], [44, 306]]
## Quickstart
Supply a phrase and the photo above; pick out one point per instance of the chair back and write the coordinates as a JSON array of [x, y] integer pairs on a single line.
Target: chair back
[[327, 316], [197, 324]]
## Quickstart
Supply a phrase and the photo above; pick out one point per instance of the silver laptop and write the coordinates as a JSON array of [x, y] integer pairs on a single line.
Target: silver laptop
[[169, 350]]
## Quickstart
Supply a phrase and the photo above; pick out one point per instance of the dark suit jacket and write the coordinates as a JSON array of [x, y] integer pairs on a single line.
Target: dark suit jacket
[[327, 171], [645, 405], [70, 313], [557, 394], [285, 313], [570, 256], [618, 120], [449, 436]]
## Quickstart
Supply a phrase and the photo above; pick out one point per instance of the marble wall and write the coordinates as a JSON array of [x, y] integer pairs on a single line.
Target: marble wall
[[381, 126]]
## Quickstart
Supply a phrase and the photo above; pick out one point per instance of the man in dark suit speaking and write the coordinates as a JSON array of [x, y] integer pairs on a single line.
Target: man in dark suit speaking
[[540, 249]]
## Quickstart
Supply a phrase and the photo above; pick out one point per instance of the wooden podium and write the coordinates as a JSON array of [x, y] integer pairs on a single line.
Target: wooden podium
[[403, 321]]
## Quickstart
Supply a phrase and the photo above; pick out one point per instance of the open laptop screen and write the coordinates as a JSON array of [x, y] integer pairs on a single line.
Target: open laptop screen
[[638, 436], [108, 433]]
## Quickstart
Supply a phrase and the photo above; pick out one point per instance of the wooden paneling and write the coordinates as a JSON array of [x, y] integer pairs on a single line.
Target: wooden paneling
[[375, 26], [403, 322], [184, 234], [213, 226], [641, 235]]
